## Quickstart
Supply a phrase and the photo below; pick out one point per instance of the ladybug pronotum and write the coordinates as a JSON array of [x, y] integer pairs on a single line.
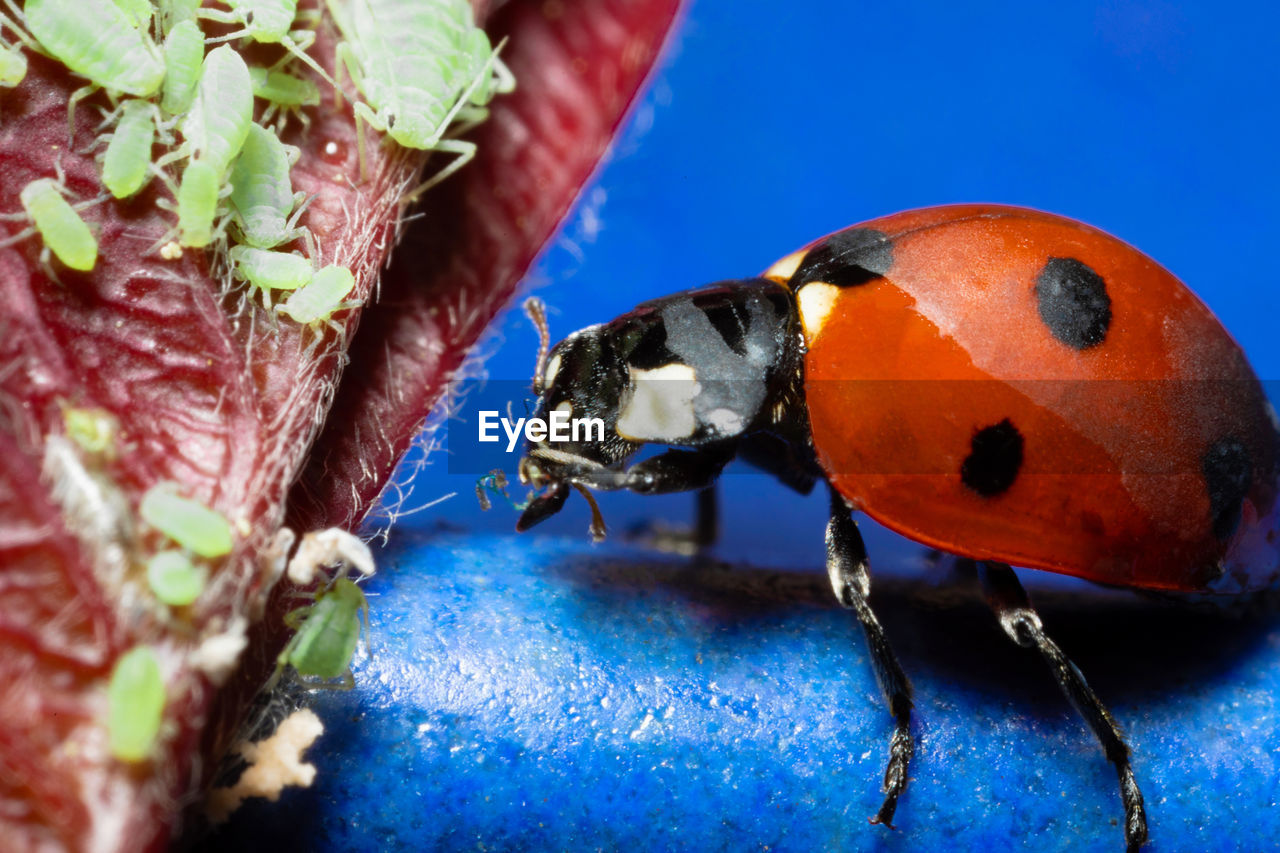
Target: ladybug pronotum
[[1004, 385]]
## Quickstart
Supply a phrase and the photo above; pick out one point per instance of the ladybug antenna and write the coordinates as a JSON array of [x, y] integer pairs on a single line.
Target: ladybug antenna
[[537, 314]]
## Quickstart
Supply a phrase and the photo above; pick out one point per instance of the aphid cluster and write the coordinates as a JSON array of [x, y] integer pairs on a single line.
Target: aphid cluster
[[188, 111], [423, 69]]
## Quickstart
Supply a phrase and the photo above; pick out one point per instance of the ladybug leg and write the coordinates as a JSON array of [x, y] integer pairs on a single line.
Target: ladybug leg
[[847, 565], [1012, 606], [706, 525], [679, 470]]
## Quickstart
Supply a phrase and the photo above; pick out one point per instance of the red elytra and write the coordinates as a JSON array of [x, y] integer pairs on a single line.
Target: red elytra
[[1010, 385]]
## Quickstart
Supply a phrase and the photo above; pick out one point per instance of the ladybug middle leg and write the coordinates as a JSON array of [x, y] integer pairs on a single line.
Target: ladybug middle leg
[[847, 565], [1009, 600]]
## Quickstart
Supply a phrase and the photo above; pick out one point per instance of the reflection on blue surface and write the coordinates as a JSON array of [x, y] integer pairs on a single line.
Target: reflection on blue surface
[[506, 702]]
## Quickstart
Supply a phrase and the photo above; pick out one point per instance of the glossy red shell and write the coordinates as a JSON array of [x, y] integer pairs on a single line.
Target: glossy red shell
[[1113, 483]]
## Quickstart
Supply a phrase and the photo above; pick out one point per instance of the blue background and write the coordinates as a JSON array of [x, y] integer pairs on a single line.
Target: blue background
[[505, 699]]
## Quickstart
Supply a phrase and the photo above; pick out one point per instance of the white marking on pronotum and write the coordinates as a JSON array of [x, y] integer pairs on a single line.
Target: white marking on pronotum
[[786, 267], [726, 421], [658, 405], [816, 301]]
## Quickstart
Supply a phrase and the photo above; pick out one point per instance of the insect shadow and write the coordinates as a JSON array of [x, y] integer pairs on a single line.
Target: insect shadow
[[1131, 647]]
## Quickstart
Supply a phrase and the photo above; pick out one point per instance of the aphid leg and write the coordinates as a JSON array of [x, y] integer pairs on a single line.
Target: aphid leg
[[847, 566], [76, 97], [364, 112], [505, 83], [292, 231], [24, 234], [173, 156], [465, 151], [468, 119], [1013, 608], [297, 43], [345, 59], [12, 23]]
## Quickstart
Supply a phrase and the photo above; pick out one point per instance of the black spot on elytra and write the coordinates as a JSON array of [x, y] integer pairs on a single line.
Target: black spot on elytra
[[995, 457], [724, 316], [1228, 471], [1074, 303], [846, 259]]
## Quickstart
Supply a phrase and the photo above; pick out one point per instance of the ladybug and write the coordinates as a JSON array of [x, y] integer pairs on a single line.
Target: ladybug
[[1000, 384]]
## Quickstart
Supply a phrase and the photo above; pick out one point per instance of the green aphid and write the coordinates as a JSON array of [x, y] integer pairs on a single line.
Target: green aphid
[[63, 231], [328, 632], [135, 704], [128, 160], [324, 294], [188, 522], [268, 22], [218, 123], [137, 11], [175, 12], [183, 61], [284, 93], [174, 579], [94, 38], [451, 59], [281, 89], [262, 197], [269, 270], [13, 66], [93, 430], [197, 203]]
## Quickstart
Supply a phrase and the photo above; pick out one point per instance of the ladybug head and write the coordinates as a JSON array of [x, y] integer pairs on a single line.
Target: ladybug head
[[691, 370], [579, 386]]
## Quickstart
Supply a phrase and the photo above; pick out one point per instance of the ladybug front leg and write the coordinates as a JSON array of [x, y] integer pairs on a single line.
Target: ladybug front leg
[[1010, 602], [847, 565], [679, 470]]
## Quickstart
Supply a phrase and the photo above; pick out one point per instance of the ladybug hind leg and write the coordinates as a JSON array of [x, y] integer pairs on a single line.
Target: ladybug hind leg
[[1012, 606], [848, 566]]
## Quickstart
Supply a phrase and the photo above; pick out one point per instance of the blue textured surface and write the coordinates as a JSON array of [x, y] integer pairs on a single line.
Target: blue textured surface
[[505, 703], [541, 694]]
